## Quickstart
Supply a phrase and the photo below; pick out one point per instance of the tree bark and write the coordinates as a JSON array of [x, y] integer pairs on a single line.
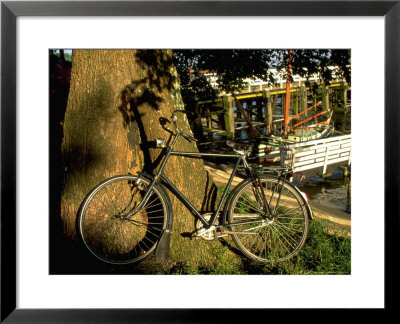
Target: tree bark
[[120, 100]]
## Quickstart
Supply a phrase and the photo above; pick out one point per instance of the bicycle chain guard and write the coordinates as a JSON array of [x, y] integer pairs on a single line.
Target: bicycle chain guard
[[206, 234]]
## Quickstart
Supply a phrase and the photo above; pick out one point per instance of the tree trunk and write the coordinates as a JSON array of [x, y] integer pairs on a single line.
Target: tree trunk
[[120, 100]]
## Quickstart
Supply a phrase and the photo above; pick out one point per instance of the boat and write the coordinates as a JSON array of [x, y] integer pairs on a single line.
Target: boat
[[269, 147], [294, 129]]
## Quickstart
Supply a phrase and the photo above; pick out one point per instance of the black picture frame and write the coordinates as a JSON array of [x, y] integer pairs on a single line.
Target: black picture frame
[[10, 10]]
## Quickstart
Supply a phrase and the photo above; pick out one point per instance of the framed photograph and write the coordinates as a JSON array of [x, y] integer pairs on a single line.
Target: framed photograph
[[33, 288]]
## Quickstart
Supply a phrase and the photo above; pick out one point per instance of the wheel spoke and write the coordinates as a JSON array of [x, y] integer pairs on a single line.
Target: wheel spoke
[[276, 239], [115, 239], [283, 226], [249, 203], [281, 233]]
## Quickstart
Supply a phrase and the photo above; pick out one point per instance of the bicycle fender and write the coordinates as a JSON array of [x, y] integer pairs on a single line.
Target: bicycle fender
[[162, 249], [309, 211], [161, 188]]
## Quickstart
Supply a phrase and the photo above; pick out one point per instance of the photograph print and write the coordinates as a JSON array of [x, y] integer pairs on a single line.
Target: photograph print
[[200, 161]]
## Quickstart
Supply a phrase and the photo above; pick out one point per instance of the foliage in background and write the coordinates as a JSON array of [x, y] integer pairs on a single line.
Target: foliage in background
[[232, 66], [63, 54]]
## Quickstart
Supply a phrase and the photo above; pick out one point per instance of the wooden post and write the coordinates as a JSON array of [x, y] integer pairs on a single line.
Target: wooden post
[[303, 98], [249, 110], [272, 100], [238, 113], [295, 101], [343, 97], [259, 110], [198, 125], [315, 98], [268, 111], [208, 118], [335, 95], [325, 97], [229, 119]]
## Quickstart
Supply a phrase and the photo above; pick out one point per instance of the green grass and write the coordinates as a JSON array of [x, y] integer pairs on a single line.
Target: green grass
[[324, 253]]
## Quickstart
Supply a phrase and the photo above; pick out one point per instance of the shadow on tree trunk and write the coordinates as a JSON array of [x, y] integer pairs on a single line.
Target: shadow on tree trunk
[[58, 90], [150, 92]]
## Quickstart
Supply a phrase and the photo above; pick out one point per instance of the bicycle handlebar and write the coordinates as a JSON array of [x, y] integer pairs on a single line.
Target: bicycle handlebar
[[179, 110], [174, 118], [188, 137]]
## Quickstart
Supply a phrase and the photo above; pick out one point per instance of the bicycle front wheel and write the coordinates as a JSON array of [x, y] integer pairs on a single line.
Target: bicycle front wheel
[[268, 239], [108, 228]]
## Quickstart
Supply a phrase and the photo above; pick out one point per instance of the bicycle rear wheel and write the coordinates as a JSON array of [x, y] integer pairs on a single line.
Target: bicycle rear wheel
[[262, 239], [108, 233]]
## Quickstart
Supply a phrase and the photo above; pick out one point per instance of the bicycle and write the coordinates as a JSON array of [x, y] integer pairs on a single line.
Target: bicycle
[[127, 218]]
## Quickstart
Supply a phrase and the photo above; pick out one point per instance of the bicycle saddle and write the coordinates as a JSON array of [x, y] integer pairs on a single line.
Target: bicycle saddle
[[239, 145]]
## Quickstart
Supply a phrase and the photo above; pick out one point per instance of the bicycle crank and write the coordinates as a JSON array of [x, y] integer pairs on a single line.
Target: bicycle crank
[[206, 234]]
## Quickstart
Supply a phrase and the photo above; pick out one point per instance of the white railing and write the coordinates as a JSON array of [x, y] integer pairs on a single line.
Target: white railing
[[316, 154]]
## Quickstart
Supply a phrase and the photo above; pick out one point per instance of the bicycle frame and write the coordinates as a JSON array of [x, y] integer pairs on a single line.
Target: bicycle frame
[[160, 175], [270, 233]]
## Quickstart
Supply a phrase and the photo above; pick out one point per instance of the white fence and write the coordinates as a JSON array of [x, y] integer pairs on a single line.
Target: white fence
[[316, 154]]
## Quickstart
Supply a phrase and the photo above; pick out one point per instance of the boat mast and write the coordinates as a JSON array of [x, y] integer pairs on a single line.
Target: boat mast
[[287, 102]]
